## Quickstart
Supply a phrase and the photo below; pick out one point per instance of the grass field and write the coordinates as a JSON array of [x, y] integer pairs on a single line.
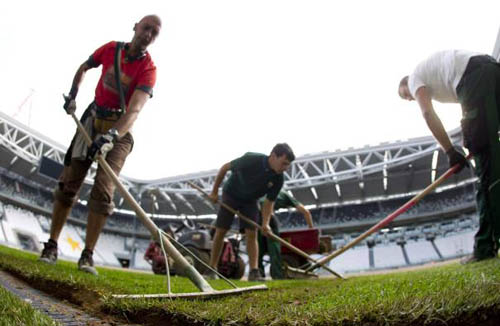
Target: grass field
[[446, 295]]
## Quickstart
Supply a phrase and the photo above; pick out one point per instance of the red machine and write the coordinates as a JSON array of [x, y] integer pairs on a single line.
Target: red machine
[[307, 240]]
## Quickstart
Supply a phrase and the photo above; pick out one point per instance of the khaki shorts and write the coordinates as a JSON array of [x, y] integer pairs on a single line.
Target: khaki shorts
[[75, 170]]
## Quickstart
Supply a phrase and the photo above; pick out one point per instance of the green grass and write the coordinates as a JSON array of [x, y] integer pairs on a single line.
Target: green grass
[[15, 312], [452, 294]]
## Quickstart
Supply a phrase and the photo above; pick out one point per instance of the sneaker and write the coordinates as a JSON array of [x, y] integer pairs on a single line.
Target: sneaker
[[210, 275], [473, 259], [86, 262], [49, 252], [255, 276]]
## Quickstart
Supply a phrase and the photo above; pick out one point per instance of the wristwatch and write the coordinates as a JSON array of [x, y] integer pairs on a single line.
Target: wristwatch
[[114, 133]]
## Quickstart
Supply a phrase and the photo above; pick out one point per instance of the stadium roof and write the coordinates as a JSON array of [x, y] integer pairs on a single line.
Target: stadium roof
[[356, 174]]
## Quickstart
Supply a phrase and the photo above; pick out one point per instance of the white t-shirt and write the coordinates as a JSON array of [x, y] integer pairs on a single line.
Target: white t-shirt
[[441, 73]]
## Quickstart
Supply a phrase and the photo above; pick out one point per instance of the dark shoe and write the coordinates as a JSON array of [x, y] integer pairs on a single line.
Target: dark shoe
[[473, 259], [210, 275], [49, 252], [254, 276], [86, 262]]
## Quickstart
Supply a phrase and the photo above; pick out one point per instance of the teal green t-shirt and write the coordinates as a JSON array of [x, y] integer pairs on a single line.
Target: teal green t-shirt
[[252, 178], [283, 200]]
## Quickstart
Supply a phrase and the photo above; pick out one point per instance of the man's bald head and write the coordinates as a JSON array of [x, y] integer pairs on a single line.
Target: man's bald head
[[146, 31], [153, 18], [404, 90]]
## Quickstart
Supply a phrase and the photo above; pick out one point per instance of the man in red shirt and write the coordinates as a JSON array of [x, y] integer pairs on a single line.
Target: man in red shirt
[[127, 80]]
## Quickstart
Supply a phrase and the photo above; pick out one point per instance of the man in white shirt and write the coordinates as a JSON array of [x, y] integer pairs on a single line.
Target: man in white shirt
[[473, 80]]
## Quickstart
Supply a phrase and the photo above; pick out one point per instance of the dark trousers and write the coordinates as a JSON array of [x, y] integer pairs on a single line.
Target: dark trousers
[[479, 95], [273, 249]]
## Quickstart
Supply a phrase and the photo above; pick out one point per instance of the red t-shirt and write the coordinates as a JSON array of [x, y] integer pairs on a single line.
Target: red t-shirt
[[136, 74], [153, 252]]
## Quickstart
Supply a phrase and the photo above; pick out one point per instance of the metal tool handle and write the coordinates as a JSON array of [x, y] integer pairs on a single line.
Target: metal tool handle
[[390, 217], [188, 269]]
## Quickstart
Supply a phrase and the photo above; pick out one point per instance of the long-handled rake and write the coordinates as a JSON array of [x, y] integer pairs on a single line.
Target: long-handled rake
[[271, 235], [390, 217], [181, 263]]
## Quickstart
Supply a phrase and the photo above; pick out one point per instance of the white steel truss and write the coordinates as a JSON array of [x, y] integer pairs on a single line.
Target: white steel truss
[[308, 171], [331, 167], [31, 146]]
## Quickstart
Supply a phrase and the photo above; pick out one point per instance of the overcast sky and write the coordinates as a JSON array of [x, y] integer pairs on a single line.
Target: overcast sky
[[237, 76]]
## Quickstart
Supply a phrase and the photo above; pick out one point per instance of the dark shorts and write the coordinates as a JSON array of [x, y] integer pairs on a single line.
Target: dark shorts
[[248, 209]]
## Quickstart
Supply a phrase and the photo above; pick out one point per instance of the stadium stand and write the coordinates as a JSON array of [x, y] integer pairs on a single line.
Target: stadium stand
[[388, 256], [453, 235], [354, 189], [7, 234], [353, 260], [420, 252], [109, 247], [461, 198], [25, 227], [456, 245], [138, 257], [71, 243]]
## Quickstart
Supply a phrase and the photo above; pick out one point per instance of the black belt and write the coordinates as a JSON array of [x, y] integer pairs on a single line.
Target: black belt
[[106, 113]]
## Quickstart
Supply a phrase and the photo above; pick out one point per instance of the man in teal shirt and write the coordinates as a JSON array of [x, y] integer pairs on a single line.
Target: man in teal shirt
[[253, 176], [272, 247]]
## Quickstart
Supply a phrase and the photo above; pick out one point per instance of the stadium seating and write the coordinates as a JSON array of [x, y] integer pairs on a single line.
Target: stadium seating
[[420, 252], [139, 262], [353, 260], [456, 245], [9, 234], [71, 243], [431, 204], [24, 224], [452, 236], [107, 248], [388, 256]]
